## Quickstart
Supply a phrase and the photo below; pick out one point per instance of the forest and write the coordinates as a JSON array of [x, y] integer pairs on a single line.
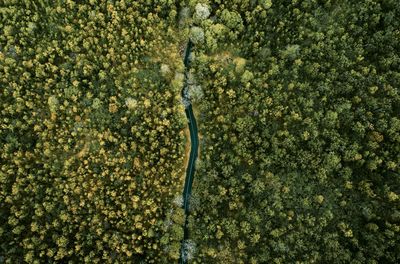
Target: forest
[[301, 133], [91, 137], [297, 104]]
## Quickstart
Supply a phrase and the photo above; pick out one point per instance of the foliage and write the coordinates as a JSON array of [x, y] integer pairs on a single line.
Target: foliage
[[201, 11], [300, 133], [90, 132], [298, 108], [196, 35]]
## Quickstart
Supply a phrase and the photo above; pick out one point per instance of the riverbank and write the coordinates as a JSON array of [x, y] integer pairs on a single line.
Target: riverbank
[[194, 146]]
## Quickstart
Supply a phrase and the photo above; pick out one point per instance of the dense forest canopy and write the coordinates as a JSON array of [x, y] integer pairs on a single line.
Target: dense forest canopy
[[298, 110], [91, 131], [301, 133]]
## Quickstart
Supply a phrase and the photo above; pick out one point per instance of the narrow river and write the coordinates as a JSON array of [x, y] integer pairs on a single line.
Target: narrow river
[[194, 146]]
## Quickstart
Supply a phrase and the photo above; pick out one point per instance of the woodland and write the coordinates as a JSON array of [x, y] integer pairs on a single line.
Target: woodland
[[297, 105]]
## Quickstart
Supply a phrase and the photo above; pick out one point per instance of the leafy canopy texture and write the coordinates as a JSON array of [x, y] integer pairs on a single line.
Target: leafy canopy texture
[[298, 109], [300, 125], [91, 132]]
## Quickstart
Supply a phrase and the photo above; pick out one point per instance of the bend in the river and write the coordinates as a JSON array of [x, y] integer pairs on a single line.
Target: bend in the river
[[194, 145]]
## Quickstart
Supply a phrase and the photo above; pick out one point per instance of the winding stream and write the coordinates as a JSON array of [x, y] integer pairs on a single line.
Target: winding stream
[[194, 146]]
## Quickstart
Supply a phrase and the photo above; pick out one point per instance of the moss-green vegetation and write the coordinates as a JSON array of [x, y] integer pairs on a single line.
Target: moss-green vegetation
[[298, 108], [91, 132], [301, 128]]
